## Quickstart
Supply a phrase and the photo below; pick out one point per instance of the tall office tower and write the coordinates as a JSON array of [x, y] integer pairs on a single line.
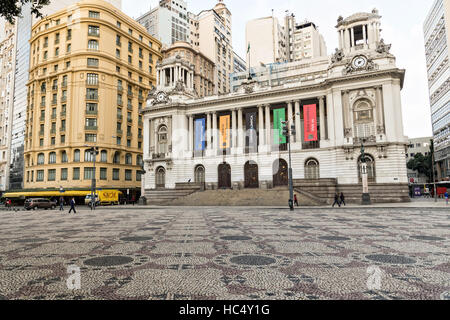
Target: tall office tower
[[266, 38], [437, 40], [211, 35], [7, 66], [168, 22], [270, 42], [20, 70], [90, 72]]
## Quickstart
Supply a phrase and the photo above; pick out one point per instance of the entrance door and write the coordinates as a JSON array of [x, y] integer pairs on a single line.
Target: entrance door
[[251, 175], [280, 173], [224, 176]]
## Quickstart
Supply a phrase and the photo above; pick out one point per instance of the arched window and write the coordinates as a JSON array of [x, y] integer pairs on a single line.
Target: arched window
[[200, 174], [64, 157], [312, 169], [104, 156], [116, 159], [40, 158], [139, 160], [76, 156], [128, 159], [52, 158], [370, 163], [162, 139], [160, 177], [88, 156], [363, 118]]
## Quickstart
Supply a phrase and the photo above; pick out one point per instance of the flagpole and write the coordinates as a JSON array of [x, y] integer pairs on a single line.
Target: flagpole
[[249, 63]]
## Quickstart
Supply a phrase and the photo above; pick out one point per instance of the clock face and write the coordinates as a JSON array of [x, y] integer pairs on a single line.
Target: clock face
[[359, 62]]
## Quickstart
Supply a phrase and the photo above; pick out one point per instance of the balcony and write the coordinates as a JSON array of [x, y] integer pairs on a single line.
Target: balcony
[[53, 131], [92, 96], [119, 89], [140, 123], [42, 104], [94, 34], [130, 94], [63, 114], [92, 83], [129, 120], [64, 99], [119, 132], [54, 101], [55, 87], [41, 133], [53, 116], [140, 136], [64, 85], [62, 129], [91, 128], [91, 112], [129, 134], [120, 102], [141, 98], [129, 107], [42, 119], [119, 117]]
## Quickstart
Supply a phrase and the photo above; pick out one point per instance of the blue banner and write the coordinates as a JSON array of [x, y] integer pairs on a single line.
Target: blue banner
[[200, 129]]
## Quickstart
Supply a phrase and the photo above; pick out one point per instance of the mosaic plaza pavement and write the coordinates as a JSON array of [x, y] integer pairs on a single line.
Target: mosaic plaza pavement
[[227, 254]]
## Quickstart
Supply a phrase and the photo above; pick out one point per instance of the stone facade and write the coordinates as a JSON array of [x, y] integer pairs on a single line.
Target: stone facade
[[356, 98]]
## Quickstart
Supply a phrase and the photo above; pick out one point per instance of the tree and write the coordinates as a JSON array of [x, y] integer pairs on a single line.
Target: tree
[[11, 9], [422, 164]]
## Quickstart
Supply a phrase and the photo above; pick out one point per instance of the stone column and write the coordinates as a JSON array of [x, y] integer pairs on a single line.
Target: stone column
[[346, 111], [352, 37], [261, 126], [147, 126], [240, 129], [208, 131], [290, 115], [233, 129], [191, 133], [379, 108], [322, 117], [171, 76], [364, 34], [268, 129], [298, 124], [214, 132]]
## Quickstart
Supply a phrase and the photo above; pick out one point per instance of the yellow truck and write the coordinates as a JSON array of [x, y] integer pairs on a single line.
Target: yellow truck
[[104, 198]]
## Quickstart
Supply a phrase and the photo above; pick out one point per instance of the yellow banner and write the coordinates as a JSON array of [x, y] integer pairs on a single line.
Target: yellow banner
[[224, 132]]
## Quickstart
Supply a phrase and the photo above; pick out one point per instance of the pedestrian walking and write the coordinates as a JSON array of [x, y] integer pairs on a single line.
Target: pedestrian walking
[[343, 199], [336, 200], [446, 197], [61, 204], [72, 206], [295, 200]]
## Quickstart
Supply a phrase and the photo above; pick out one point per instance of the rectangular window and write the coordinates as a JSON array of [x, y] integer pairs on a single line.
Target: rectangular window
[[92, 79], [63, 139], [88, 173], [138, 176], [51, 174], [103, 174], [64, 174], [40, 176], [92, 62], [116, 174], [94, 14], [94, 31], [76, 174], [128, 175], [90, 138], [93, 45]]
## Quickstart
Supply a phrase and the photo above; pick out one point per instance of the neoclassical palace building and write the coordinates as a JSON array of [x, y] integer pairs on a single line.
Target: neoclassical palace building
[[336, 104]]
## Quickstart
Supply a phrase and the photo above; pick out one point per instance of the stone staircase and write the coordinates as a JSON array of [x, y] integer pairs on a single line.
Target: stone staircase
[[244, 197], [166, 196]]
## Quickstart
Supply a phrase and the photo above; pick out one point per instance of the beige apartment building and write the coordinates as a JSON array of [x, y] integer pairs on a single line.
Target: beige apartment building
[[91, 69], [7, 74], [211, 35], [197, 65]]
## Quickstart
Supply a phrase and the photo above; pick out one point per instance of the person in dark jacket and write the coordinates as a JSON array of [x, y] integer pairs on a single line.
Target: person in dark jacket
[[336, 200], [72, 206], [61, 203], [343, 199], [295, 200]]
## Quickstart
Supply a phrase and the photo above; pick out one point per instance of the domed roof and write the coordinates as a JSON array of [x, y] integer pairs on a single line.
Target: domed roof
[[360, 16]]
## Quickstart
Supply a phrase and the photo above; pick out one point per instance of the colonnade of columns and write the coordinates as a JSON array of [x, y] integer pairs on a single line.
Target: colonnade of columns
[[370, 30], [237, 130], [170, 75]]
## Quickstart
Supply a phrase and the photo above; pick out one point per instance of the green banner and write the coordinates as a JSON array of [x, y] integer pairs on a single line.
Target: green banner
[[279, 116]]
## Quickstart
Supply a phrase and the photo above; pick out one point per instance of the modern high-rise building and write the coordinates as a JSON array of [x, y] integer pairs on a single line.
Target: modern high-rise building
[[13, 175], [239, 64], [437, 51], [211, 34], [266, 38], [168, 22], [91, 69], [282, 43]]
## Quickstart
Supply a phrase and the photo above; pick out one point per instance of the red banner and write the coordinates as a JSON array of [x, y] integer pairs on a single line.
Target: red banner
[[310, 117]]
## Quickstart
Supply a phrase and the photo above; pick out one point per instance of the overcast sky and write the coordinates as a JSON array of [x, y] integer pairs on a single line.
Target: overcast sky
[[402, 25]]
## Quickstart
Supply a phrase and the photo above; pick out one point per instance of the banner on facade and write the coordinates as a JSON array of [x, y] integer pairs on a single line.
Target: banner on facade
[[224, 125], [251, 136], [310, 118], [279, 116], [200, 129]]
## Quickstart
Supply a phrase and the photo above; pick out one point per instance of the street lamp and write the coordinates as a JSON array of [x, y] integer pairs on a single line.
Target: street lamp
[[287, 133], [94, 152], [364, 177]]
